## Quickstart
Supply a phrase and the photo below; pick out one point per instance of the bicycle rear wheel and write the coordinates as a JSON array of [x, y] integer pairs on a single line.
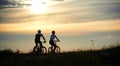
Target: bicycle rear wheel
[[35, 50]]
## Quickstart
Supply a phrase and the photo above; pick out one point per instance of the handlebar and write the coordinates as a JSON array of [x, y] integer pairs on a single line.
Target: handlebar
[[43, 41], [56, 40]]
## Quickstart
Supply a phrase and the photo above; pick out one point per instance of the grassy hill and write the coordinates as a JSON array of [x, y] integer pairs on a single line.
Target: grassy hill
[[103, 57]]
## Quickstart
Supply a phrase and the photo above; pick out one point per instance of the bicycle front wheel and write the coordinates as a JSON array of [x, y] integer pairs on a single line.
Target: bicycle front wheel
[[50, 50], [57, 50], [43, 50]]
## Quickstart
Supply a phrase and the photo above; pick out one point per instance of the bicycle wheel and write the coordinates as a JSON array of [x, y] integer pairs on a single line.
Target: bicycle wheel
[[57, 50], [49, 49], [35, 50], [43, 50]]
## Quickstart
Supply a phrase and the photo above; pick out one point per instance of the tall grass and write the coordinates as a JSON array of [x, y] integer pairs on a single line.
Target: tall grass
[[104, 57]]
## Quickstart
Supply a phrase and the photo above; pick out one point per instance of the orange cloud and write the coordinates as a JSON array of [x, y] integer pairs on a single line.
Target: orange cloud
[[66, 29]]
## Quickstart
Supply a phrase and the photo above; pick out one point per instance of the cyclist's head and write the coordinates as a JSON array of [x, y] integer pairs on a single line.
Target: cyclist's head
[[53, 32], [39, 31]]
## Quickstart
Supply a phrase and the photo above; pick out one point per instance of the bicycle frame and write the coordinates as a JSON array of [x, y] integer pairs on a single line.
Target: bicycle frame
[[57, 48], [39, 50]]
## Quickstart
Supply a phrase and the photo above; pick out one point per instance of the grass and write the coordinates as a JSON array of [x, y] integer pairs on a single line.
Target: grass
[[104, 57]]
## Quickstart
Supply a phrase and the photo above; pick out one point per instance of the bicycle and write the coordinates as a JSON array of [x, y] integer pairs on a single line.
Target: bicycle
[[39, 50], [57, 49]]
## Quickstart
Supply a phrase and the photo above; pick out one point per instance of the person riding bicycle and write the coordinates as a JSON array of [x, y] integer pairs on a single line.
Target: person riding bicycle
[[52, 41], [37, 39]]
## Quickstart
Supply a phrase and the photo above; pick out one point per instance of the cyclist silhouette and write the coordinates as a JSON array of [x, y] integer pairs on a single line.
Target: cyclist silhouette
[[52, 40], [38, 37]]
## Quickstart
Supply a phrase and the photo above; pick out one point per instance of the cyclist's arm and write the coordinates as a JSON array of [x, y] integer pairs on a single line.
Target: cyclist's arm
[[43, 38], [57, 38]]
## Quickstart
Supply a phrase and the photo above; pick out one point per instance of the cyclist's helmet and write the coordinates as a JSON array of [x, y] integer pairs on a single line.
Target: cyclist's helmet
[[39, 31], [53, 32]]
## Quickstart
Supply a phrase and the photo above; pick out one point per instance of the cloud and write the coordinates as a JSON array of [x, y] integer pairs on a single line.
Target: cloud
[[67, 12], [5, 2], [13, 3], [63, 29], [109, 37], [93, 11]]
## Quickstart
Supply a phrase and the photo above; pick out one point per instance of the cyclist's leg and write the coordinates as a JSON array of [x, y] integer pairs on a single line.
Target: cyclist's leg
[[55, 46], [40, 44], [52, 47], [35, 47], [36, 44], [52, 44]]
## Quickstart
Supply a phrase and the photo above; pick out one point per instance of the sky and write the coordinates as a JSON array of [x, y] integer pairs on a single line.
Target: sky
[[76, 23]]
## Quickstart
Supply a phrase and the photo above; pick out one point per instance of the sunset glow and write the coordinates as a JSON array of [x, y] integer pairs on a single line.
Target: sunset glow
[[98, 26], [76, 23], [38, 6]]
